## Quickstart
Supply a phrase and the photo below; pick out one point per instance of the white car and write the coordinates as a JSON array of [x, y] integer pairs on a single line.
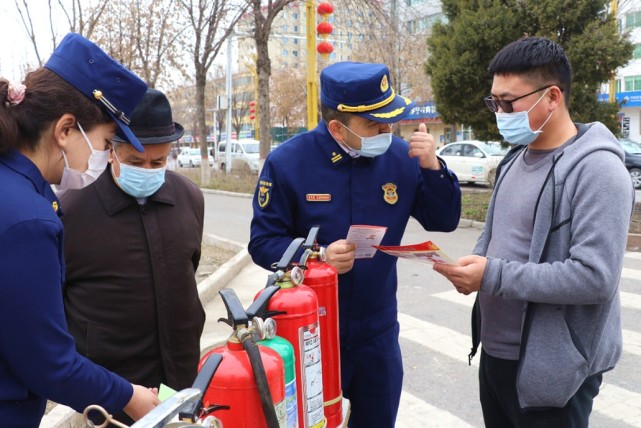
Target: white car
[[189, 157], [473, 161], [244, 155]]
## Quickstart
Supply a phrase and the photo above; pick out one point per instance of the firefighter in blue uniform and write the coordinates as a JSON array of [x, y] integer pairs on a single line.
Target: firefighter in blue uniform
[[351, 170], [54, 129]]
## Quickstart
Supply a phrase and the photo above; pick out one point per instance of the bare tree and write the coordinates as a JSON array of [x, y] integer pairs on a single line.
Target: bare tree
[[211, 23], [263, 19], [79, 20], [27, 23], [83, 21], [145, 36], [240, 106], [288, 102]]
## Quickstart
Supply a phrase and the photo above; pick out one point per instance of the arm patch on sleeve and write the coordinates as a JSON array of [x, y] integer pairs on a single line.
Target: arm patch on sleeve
[[264, 194]]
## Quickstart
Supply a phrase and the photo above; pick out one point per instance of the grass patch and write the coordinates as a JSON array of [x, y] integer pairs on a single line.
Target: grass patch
[[474, 202], [235, 182]]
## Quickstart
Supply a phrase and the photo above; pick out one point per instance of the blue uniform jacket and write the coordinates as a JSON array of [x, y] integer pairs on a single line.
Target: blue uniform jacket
[[38, 358], [310, 180]]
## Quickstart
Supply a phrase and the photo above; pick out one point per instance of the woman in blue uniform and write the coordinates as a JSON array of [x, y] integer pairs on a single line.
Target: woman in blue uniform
[[54, 129], [352, 170]]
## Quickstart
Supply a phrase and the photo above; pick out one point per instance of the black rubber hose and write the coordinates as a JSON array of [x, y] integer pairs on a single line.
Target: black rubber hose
[[260, 376]]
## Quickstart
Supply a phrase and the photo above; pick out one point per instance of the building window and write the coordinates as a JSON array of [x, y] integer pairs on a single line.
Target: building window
[[636, 53], [284, 52], [295, 41], [295, 29], [632, 83], [295, 15], [633, 20], [295, 53], [284, 28]]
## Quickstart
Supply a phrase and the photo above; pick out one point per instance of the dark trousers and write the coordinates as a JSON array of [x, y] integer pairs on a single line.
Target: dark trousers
[[372, 380], [499, 401]]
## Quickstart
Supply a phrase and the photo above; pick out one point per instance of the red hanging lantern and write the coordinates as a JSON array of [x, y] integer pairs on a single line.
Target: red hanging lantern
[[325, 48], [325, 9], [324, 29]]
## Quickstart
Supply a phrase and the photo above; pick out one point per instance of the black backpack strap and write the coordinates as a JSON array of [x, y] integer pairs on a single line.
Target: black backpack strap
[[476, 334]]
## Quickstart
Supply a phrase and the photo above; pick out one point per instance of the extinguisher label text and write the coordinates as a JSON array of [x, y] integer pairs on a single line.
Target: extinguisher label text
[[309, 337]]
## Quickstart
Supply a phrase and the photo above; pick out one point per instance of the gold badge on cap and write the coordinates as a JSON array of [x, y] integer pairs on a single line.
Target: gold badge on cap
[[264, 192], [384, 84], [389, 193]]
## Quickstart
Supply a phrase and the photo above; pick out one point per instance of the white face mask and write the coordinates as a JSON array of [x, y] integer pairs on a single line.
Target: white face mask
[[373, 146], [97, 163], [515, 127]]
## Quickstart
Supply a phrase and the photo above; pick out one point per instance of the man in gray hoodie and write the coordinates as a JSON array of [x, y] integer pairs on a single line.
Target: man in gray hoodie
[[548, 262]]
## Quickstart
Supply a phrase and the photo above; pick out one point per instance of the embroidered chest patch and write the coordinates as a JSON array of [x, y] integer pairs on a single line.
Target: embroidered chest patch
[[389, 193]]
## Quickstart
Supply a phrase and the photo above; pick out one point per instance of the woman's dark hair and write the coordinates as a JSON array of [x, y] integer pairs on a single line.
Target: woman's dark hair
[[47, 98]]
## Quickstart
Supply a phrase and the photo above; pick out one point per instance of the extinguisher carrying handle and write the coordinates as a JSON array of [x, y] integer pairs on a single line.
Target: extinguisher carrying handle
[[310, 242], [206, 373], [235, 312], [258, 308], [285, 262]]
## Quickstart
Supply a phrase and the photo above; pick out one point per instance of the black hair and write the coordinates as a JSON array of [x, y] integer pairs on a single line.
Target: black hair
[[47, 97], [329, 114], [537, 59]]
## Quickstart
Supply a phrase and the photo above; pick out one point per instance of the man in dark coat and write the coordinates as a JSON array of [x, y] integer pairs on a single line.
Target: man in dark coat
[[133, 243]]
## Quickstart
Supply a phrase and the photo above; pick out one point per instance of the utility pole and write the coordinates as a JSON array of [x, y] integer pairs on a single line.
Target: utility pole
[[229, 107], [614, 6], [312, 86]]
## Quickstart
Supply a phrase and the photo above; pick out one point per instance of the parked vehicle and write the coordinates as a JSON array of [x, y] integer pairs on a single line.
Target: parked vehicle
[[190, 157], [244, 155], [473, 161], [632, 160]]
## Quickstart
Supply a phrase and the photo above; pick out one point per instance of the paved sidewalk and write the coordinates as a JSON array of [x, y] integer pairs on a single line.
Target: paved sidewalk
[[250, 280]]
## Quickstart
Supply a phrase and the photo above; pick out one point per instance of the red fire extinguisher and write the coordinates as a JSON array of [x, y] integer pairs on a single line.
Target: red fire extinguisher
[[295, 310], [249, 385], [323, 279]]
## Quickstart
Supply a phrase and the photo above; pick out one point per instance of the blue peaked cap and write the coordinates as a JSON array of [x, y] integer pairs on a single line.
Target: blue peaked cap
[[114, 88], [364, 90]]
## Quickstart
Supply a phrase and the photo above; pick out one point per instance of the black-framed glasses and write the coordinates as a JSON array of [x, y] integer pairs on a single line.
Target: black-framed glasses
[[506, 105]]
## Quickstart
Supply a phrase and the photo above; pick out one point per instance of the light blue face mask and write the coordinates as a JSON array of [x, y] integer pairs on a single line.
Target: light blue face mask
[[373, 146], [139, 182], [515, 127]]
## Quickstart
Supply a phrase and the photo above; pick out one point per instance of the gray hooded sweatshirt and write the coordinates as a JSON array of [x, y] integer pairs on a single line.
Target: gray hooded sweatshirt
[[572, 325]]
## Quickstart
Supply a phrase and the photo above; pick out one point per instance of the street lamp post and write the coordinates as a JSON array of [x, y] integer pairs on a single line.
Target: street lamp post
[[312, 86], [229, 107]]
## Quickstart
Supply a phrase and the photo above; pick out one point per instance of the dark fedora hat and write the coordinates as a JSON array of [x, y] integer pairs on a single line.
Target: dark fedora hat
[[99, 77], [151, 121]]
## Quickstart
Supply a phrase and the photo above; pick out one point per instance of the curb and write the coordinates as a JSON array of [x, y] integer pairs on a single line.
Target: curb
[[210, 286], [61, 416], [226, 193]]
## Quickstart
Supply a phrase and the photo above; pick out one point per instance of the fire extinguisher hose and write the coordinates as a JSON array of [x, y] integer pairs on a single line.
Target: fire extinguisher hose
[[260, 376]]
